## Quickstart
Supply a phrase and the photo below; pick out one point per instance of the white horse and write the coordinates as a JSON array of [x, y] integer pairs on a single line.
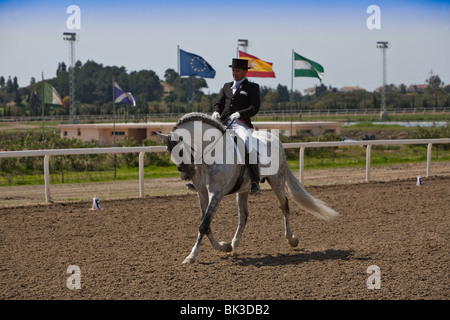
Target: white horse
[[214, 173]]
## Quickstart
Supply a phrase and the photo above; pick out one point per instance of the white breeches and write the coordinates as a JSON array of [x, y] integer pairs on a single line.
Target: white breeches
[[244, 132]]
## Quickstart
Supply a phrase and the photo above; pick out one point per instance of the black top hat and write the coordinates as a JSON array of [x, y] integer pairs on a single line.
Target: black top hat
[[240, 64]]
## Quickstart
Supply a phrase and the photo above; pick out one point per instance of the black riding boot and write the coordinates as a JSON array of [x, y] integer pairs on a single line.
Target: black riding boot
[[254, 173], [253, 165]]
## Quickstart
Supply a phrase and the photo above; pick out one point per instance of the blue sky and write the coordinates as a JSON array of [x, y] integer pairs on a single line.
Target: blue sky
[[145, 34]]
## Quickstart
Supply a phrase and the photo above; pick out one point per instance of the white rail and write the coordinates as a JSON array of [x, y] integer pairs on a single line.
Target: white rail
[[368, 143], [142, 150], [62, 152]]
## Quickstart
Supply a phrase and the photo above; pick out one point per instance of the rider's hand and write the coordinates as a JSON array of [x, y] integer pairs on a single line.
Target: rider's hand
[[215, 115], [235, 116]]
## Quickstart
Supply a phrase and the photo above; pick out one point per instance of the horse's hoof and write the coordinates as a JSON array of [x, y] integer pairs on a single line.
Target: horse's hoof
[[227, 247], [188, 261], [293, 241]]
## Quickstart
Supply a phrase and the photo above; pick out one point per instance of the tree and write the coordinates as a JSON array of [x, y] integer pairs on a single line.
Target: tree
[[270, 100], [204, 105], [15, 84], [320, 90], [17, 99], [403, 89], [263, 90], [171, 76], [297, 96], [434, 87], [61, 68], [434, 84], [283, 93], [9, 85]]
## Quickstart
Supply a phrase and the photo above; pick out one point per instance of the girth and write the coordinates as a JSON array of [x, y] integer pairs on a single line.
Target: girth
[[239, 181]]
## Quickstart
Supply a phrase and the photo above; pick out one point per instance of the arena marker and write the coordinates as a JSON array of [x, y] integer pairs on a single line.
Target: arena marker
[[419, 181], [95, 204]]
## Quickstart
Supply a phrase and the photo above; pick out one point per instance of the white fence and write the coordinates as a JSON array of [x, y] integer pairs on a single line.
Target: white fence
[[142, 150]]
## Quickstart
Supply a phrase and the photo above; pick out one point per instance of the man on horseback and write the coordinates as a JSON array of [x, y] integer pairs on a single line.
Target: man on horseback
[[239, 102]]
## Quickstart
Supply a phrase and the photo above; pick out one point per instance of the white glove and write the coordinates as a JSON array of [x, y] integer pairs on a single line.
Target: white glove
[[215, 115], [235, 116]]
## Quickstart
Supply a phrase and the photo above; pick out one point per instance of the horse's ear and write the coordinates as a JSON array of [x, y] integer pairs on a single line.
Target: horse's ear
[[165, 137]]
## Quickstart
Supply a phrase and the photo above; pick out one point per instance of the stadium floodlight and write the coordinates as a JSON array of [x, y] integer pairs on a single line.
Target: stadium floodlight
[[244, 43], [72, 37], [383, 45]]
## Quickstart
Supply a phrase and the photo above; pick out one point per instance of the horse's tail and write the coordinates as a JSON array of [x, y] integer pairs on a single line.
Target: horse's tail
[[306, 201]]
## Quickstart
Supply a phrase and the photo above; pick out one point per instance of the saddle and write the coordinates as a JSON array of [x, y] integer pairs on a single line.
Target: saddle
[[187, 171]]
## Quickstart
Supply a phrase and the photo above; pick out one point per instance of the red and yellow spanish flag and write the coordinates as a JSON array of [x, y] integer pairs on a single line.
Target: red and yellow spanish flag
[[259, 68]]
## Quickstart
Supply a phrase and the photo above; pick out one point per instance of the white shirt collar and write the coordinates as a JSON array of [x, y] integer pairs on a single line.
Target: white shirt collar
[[236, 84]]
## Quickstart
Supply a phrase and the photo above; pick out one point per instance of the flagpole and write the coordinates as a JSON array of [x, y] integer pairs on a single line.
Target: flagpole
[[178, 59], [114, 127], [292, 76], [43, 107], [292, 88]]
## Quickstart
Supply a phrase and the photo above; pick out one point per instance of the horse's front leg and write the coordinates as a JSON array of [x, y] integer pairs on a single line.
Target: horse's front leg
[[241, 199], [211, 203], [195, 250], [205, 226], [204, 202]]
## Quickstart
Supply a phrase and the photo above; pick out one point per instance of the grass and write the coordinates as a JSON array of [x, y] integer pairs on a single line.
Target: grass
[[122, 173]]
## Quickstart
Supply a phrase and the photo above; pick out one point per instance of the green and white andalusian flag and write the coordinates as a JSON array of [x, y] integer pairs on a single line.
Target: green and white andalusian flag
[[51, 96], [307, 68]]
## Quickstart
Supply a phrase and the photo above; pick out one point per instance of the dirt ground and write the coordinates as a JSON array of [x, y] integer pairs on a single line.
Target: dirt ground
[[133, 248]]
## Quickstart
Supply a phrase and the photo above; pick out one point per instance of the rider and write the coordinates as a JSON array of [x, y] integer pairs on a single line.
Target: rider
[[238, 102]]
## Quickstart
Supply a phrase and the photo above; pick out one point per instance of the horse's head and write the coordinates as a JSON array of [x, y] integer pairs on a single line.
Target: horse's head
[[182, 141], [170, 140], [186, 168]]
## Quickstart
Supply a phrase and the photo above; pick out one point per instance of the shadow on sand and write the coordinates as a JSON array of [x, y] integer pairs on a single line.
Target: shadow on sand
[[296, 258]]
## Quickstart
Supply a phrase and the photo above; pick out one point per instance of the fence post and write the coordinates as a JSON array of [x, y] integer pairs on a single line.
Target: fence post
[[369, 147], [302, 157], [141, 174], [429, 158], [47, 178]]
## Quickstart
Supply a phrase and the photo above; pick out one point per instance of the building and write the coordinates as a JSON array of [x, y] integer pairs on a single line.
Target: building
[[105, 132], [352, 89], [417, 87]]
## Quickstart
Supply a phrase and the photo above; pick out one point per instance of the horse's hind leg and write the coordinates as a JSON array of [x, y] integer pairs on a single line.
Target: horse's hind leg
[[241, 199], [278, 188]]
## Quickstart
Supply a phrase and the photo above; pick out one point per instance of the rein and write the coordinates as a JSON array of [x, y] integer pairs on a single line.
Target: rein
[[215, 142]]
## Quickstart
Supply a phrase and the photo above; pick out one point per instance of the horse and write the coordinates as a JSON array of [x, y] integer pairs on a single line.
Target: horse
[[213, 179]]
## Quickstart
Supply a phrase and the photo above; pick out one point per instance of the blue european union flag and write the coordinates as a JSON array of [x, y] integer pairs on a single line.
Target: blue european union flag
[[194, 65]]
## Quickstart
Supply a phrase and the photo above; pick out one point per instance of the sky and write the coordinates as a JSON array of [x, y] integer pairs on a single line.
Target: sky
[[142, 35]]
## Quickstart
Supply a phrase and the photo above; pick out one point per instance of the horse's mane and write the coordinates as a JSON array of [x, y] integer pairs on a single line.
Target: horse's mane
[[195, 116], [198, 116]]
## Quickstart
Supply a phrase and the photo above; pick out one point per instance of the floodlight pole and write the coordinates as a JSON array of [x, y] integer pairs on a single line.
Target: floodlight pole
[[71, 37], [242, 43], [383, 45]]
